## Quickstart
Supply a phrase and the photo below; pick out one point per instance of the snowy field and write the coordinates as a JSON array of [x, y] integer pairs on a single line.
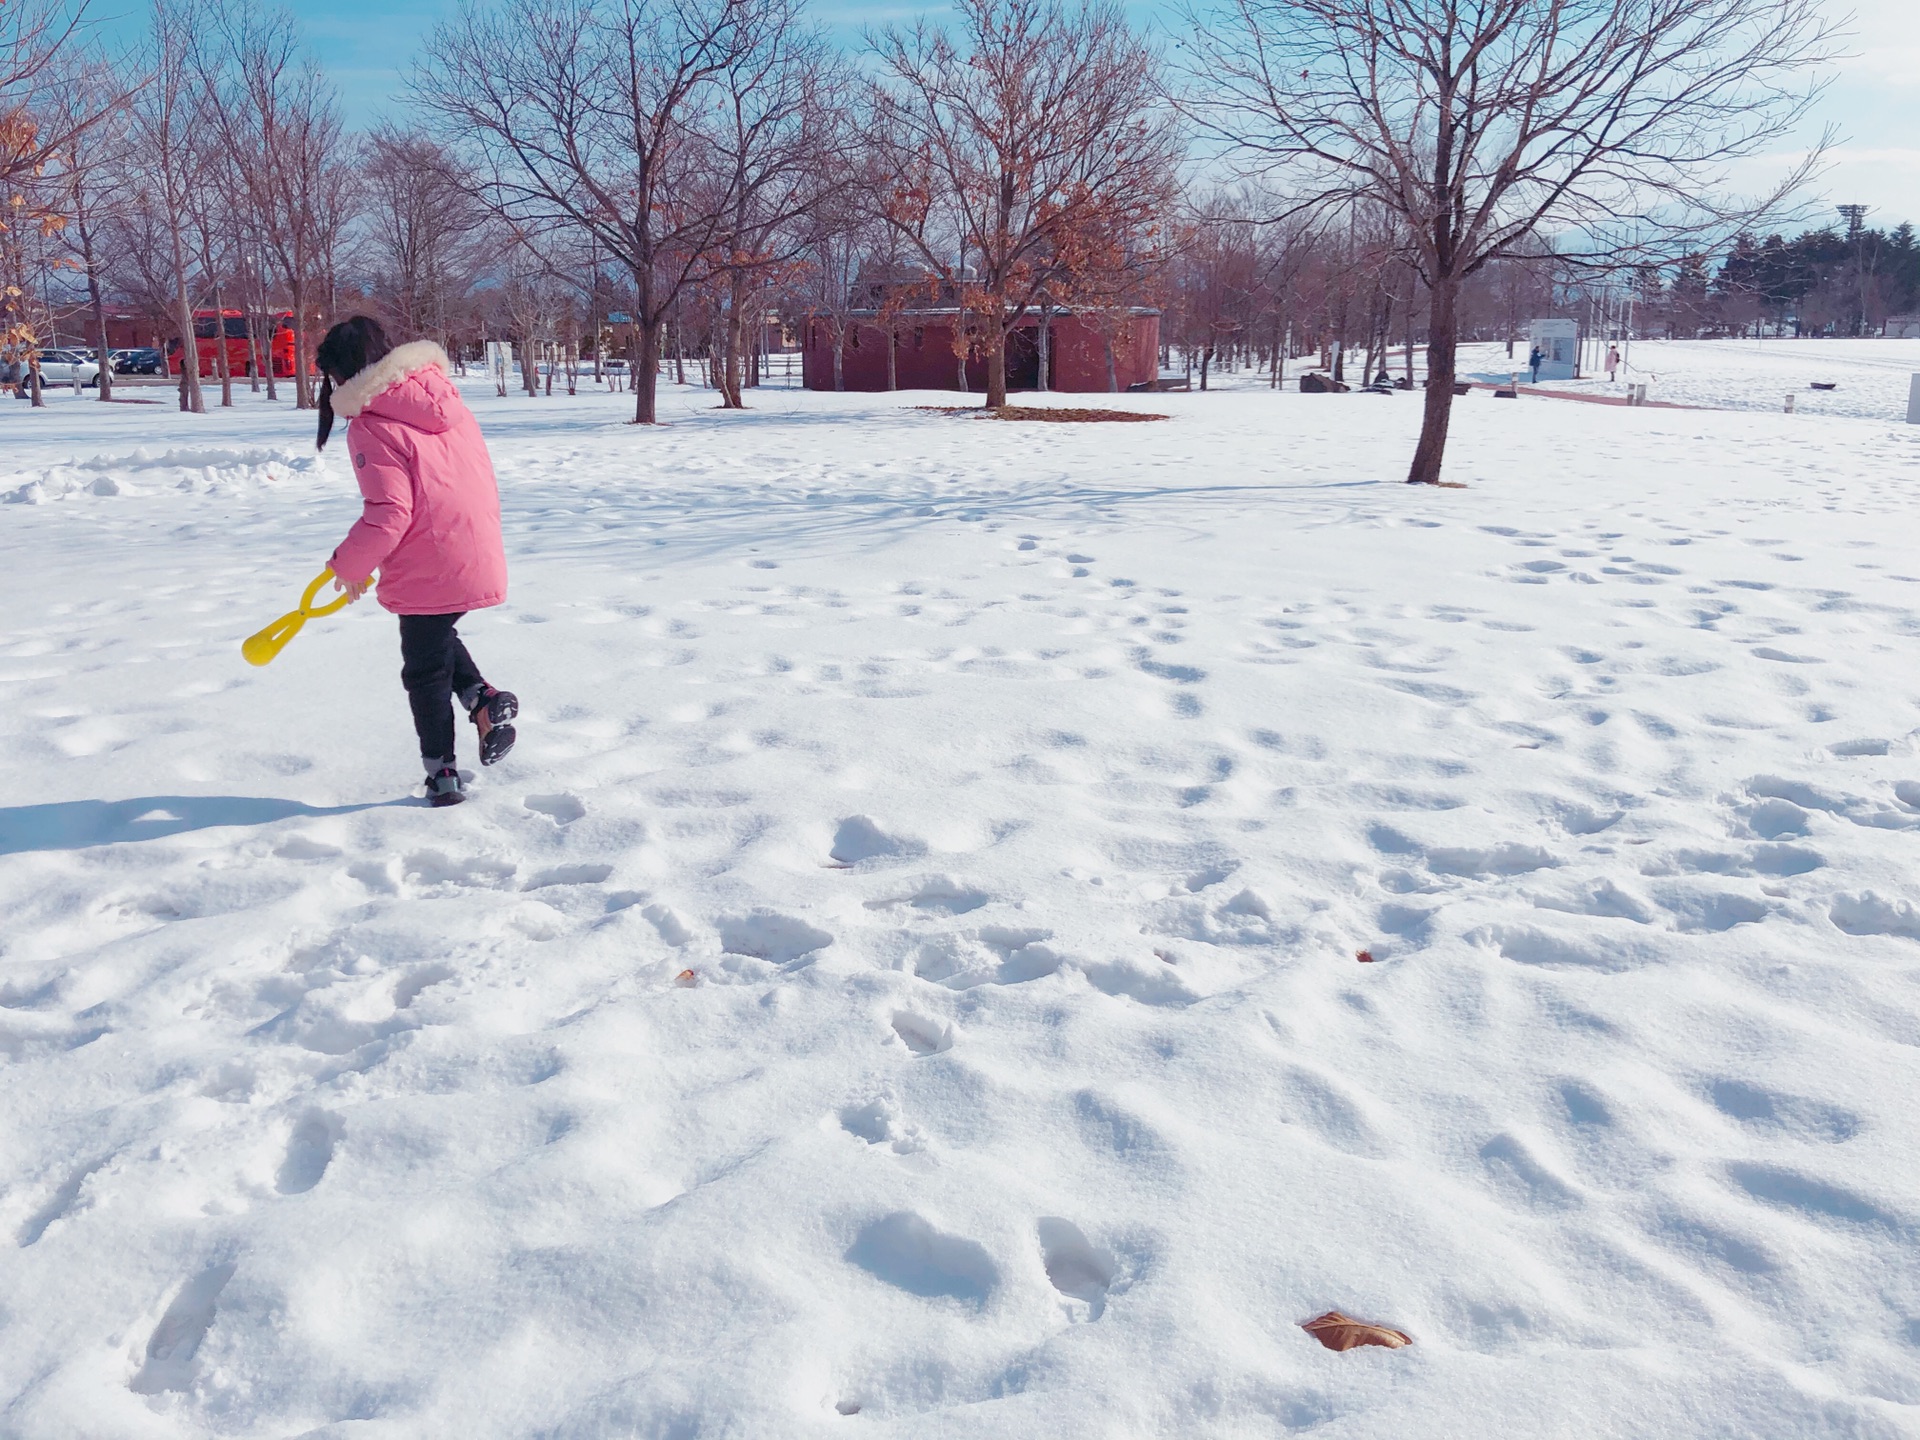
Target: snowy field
[[1018, 797], [1871, 378]]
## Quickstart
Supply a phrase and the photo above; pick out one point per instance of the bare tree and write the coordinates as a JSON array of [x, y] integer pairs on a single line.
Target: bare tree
[[38, 117], [163, 121], [589, 114], [423, 225], [92, 174], [779, 128], [1483, 124], [279, 121], [1043, 120], [216, 241]]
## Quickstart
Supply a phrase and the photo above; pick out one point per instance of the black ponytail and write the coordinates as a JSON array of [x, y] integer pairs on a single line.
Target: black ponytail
[[349, 347], [326, 410]]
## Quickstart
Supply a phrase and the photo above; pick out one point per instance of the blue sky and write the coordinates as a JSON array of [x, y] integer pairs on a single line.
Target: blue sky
[[1875, 100]]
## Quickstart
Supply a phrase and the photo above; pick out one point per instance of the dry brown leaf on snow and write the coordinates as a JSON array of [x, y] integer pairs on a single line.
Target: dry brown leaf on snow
[[1343, 1332]]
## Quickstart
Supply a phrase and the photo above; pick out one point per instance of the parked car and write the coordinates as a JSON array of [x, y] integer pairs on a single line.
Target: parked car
[[63, 367], [138, 362]]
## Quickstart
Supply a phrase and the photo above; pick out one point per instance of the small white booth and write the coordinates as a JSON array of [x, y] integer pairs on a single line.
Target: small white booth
[[1558, 342]]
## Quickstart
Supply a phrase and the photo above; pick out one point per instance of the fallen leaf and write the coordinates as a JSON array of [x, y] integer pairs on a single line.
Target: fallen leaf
[[1365, 957], [686, 979], [1342, 1332]]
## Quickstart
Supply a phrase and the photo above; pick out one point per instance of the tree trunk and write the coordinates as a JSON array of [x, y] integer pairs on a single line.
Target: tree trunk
[[1045, 345], [1413, 294], [893, 357], [1442, 338], [996, 365], [839, 328], [270, 323], [1206, 361], [190, 399], [99, 307], [253, 345], [302, 395], [729, 334], [729, 372], [223, 362], [1113, 378], [646, 371]]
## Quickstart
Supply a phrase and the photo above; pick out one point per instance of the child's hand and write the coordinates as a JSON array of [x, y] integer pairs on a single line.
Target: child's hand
[[354, 588]]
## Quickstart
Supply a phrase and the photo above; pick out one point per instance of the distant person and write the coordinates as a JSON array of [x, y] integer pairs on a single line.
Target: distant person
[[1534, 359], [1613, 361], [430, 526]]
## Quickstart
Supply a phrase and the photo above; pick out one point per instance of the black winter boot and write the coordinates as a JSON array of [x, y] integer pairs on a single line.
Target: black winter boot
[[499, 706], [443, 786]]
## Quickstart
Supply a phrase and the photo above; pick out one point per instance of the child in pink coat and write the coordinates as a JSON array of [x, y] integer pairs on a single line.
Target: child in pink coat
[[430, 526]]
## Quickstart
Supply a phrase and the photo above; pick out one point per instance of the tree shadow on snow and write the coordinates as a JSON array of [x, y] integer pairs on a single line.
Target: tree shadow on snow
[[77, 824]]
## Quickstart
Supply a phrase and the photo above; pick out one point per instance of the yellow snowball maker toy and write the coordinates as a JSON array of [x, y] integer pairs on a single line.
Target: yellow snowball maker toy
[[261, 648]]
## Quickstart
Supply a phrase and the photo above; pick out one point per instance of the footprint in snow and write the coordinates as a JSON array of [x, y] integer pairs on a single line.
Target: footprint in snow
[[309, 1153], [767, 935], [1076, 1267], [939, 895], [178, 1336], [584, 874], [921, 1035], [879, 1122], [859, 838], [430, 867], [1868, 913], [59, 1204], [562, 809], [1815, 1199], [907, 1252], [1125, 980], [1779, 1113]]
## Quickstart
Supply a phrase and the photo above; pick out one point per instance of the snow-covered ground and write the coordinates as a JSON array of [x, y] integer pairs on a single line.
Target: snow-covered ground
[[1871, 378], [1019, 797]]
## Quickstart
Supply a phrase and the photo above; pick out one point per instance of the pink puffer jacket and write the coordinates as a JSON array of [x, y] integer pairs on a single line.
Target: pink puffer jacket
[[431, 524]]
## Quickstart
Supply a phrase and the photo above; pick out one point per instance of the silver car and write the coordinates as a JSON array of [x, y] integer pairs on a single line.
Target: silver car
[[63, 367]]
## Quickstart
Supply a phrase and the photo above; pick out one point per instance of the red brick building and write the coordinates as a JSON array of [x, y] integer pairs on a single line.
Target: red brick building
[[924, 357]]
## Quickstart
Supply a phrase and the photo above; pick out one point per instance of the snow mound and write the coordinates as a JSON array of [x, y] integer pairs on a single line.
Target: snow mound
[[197, 470]]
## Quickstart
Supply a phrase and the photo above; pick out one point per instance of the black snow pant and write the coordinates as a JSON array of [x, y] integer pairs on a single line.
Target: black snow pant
[[435, 666]]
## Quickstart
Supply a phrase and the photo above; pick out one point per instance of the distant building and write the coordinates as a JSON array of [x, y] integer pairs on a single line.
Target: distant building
[[127, 328], [924, 356], [1902, 327]]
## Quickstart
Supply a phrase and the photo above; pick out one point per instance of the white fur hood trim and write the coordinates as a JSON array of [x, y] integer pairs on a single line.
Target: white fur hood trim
[[385, 373]]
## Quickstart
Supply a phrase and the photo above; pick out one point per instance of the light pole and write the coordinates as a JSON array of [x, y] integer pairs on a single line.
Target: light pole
[[1855, 216]]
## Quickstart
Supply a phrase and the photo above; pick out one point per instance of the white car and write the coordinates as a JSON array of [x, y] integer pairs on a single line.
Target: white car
[[63, 367]]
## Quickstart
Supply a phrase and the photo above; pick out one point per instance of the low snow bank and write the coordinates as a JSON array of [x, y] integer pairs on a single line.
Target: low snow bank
[[207, 470]]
